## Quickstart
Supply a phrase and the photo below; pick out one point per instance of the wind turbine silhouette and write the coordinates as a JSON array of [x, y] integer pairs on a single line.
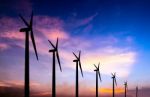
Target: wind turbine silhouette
[[136, 91], [55, 53], [126, 86], [114, 82], [97, 74], [27, 30], [78, 62]]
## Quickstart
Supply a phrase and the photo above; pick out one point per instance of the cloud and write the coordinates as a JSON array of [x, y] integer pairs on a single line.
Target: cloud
[[48, 22], [53, 33], [3, 84], [121, 62], [8, 24], [13, 35], [119, 59], [51, 27], [10, 28], [86, 20], [35, 86], [77, 23], [88, 28], [3, 46]]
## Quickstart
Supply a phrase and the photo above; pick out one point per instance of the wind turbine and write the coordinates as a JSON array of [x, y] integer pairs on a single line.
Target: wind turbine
[[78, 63], [114, 82], [97, 74], [55, 53], [27, 30], [126, 86], [137, 91]]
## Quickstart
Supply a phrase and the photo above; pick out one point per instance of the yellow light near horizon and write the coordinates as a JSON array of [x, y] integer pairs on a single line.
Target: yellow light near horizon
[[109, 91]]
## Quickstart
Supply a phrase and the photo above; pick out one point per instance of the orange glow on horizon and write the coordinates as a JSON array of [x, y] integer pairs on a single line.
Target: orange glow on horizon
[[109, 91]]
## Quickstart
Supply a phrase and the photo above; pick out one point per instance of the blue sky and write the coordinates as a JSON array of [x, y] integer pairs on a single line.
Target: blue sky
[[113, 32]]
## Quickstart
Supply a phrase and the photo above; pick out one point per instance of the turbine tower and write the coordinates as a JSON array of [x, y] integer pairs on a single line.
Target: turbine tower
[[27, 30], [97, 74], [114, 83], [54, 51], [137, 91], [126, 86], [78, 63]]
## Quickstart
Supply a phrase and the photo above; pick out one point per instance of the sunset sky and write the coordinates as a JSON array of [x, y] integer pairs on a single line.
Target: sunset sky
[[115, 33]]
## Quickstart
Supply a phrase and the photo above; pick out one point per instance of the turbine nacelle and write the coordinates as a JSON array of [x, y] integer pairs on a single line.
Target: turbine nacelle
[[77, 57], [113, 75], [75, 60], [125, 83], [55, 48], [52, 50], [24, 30]]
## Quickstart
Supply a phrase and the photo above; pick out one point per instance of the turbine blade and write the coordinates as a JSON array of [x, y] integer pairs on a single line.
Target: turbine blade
[[115, 78], [34, 45], [99, 75], [24, 21], [115, 81], [58, 60], [79, 54], [80, 63], [98, 64], [57, 43], [75, 55], [51, 44], [80, 68], [31, 21], [95, 66]]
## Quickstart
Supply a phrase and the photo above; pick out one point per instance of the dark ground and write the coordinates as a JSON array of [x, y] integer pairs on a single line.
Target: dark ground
[[18, 92]]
